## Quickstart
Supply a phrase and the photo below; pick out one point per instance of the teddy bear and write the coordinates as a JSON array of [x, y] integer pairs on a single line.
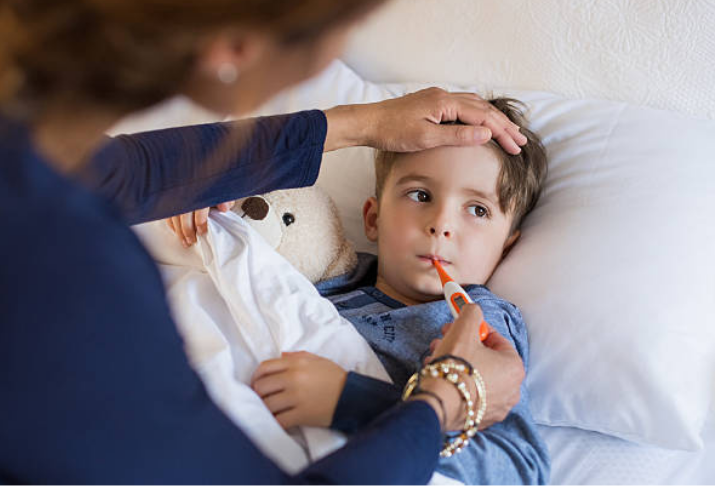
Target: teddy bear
[[304, 226]]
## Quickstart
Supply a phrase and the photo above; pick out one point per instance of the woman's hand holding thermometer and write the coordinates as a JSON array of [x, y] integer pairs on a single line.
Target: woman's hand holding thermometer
[[456, 297]]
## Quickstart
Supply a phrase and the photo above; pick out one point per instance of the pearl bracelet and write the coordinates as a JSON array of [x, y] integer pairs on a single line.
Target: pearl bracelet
[[446, 368]]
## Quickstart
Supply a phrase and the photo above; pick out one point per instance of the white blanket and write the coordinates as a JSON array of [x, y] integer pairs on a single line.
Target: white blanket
[[237, 302]]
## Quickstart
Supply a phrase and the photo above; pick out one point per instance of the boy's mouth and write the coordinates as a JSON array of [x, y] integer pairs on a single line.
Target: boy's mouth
[[430, 257]]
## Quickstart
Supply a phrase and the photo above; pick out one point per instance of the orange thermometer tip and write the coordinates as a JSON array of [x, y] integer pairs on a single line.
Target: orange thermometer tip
[[443, 276]]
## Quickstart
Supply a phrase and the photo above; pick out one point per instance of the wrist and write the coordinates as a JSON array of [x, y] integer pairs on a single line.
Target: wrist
[[453, 406], [349, 125]]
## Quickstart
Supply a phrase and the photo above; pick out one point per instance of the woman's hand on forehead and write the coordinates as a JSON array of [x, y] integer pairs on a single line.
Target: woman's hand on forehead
[[414, 122]]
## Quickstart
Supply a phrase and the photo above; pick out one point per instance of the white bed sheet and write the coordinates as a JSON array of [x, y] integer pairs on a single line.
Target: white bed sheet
[[581, 457]]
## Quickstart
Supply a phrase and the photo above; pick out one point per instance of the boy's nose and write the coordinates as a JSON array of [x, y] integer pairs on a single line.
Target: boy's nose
[[440, 231]]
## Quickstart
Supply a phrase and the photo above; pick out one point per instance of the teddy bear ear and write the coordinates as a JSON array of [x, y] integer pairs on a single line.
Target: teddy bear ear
[[344, 262]]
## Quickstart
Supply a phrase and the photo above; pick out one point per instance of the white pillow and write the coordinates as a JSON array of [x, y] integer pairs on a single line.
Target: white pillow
[[614, 272]]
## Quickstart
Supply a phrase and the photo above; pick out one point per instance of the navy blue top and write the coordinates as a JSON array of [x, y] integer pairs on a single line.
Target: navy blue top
[[94, 383]]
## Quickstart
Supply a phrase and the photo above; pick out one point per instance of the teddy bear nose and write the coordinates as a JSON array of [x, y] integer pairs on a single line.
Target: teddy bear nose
[[255, 207]]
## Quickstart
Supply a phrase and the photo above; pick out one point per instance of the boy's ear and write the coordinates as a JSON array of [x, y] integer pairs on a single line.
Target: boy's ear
[[369, 218], [510, 243]]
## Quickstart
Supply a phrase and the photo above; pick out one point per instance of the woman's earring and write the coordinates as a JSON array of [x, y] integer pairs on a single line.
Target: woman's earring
[[227, 73]]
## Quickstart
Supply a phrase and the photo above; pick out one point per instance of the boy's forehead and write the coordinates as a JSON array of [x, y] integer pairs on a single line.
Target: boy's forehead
[[473, 163]]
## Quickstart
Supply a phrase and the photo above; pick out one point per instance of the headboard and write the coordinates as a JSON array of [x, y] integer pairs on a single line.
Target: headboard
[[647, 52]]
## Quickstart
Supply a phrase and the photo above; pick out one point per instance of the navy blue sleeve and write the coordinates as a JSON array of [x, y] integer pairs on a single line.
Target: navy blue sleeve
[[163, 173], [362, 400], [366, 459]]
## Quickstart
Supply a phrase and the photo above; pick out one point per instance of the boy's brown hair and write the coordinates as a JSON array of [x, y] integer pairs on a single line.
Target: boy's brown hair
[[521, 177]]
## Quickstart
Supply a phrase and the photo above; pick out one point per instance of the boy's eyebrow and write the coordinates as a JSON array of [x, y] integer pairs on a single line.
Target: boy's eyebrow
[[467, 190], [489, 197], [410, 177]]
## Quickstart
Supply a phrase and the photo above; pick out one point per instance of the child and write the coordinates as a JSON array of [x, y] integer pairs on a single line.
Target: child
[[462, 206]]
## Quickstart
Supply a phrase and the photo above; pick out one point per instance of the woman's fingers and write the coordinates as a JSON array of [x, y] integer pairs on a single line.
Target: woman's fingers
[[495, 341], [174, 224], [201, 218], [434, 344], [462, 135], [516, 134], [503, 130], [469, 319], [507, 142], [225, 206], [472, 109], [187, 228], [189, 225]]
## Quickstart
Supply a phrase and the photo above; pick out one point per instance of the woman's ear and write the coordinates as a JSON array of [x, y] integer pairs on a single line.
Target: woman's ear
[[510, 243], [370, 211], [237, 47], [223, 66]]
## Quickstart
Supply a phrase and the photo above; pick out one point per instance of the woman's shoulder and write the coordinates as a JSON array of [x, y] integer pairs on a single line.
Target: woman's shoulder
[[57, 232]]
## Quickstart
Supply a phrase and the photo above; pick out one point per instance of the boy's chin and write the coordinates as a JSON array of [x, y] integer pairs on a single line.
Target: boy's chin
[[429, 293]]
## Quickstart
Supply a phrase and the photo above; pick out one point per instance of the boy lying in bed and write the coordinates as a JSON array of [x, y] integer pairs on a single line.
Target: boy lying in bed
[[462, 206]]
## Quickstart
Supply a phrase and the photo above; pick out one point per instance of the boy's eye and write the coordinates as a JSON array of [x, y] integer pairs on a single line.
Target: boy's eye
[[418, 196], [479, 211]]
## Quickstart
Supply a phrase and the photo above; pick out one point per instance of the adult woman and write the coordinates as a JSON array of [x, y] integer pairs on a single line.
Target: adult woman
[[94, 382]]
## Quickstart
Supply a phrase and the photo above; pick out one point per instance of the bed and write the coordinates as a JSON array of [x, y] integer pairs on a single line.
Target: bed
[[614, 272]]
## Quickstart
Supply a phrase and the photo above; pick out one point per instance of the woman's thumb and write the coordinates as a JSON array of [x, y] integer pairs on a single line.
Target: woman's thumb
[[470, 317]]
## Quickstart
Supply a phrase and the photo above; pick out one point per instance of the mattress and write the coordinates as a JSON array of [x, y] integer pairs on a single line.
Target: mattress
[[581, 457]]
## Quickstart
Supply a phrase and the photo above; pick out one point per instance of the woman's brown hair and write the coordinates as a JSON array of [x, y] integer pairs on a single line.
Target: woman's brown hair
[[130, 54]]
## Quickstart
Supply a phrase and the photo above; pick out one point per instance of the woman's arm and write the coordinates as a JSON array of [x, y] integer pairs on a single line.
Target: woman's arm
[[157, 174], [407, 123], [363, 399], [371, 456], [507, 453]]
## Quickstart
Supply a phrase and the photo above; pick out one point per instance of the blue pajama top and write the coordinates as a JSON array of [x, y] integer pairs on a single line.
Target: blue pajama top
[[508, 453]]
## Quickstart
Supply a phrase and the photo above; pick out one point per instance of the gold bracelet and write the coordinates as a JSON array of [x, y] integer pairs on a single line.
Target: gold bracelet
[[451, 371]]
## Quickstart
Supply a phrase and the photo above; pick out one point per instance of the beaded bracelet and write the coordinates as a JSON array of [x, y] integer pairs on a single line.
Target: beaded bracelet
[[446, 368]]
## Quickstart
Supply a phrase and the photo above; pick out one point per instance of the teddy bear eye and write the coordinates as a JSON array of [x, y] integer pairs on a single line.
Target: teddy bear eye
[[288, 219]]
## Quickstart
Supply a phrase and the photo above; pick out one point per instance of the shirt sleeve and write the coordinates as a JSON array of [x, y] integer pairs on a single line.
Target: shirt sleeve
[[363, 398], [391, 451], [157, 174]]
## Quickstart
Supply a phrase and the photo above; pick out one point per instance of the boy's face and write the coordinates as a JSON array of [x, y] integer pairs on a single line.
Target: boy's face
[[438, 203]]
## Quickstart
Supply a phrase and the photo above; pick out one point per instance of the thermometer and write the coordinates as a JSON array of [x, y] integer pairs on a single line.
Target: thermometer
[[456, 297]]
